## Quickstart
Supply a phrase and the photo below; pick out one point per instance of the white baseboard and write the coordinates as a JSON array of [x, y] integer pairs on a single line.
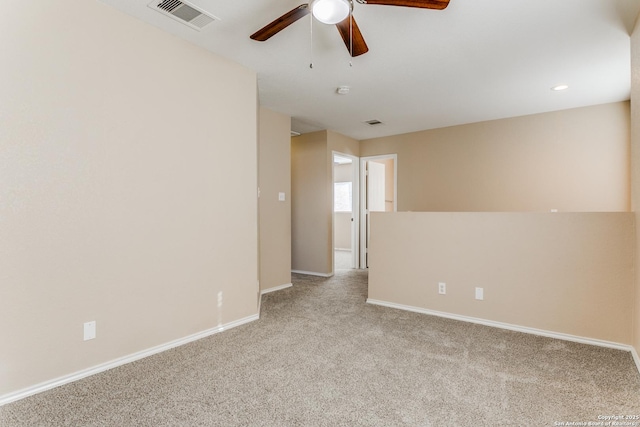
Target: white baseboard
[[636, 359], [47, 385], [276, 288], [516, 328], [312, 273]]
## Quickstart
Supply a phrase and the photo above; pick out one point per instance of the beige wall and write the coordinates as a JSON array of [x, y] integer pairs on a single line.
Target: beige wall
[[572, 160], [341, 144], [121, 199], [310, 204], [275, 215], [312, 198], [635, 167], [569, 273]]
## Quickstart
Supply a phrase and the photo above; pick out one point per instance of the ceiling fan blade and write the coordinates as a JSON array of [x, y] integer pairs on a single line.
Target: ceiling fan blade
[[424, 4], [359, 45], [281, 23]]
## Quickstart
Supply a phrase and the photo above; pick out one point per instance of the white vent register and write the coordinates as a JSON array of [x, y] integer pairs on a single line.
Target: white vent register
[[184, 12]]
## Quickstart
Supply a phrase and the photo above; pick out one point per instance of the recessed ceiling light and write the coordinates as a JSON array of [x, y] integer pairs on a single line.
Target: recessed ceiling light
[[560, 87]]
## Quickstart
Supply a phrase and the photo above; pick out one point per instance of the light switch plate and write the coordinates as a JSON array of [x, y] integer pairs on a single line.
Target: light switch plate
[[89, 330], [281, 197]]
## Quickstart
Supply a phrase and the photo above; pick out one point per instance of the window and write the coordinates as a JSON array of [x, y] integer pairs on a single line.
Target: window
[[342, 197]]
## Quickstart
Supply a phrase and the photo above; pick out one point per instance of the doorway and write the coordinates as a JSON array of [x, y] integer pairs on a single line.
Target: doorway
[[379, 194], [345, 211]]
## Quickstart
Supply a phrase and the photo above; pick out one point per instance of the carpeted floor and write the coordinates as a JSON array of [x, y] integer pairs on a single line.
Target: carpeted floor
[[320, 356]]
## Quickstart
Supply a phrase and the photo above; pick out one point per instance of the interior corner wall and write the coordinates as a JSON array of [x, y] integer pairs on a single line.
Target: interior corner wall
[[121, 200], [312, 199], [342, 144], [635, 168], [572, 160], [275, 214], [310, 205]]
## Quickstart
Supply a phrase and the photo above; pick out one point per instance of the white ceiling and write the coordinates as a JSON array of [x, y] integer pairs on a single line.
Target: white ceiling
[[476, 60]]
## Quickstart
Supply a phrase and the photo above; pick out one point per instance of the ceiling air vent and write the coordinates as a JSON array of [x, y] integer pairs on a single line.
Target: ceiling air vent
[[183, 12], [373, 122]]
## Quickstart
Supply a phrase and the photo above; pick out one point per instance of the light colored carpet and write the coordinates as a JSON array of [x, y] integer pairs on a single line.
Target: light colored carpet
[[320, 356]]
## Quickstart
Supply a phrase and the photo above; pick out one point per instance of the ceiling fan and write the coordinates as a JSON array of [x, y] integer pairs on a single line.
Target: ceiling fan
[[339, 13]]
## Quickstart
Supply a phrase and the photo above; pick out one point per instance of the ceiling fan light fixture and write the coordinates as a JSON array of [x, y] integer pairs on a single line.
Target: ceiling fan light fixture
[[331, 11]]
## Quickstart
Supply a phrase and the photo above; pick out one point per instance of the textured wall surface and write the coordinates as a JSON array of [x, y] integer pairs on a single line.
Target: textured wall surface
[[573, 160], [118, 203], [275, 215], [635, 166], [568, 273]]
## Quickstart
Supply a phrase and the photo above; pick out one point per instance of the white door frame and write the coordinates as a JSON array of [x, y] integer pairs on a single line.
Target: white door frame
[[363, 200], [355, 199]]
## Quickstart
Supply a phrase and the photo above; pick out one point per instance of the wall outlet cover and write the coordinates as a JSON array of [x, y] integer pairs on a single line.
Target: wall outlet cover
[[89, 330], [442, 288]]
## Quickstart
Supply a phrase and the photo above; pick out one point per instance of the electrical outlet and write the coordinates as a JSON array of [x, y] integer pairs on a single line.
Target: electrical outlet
[[89, 330], [442, 288], [480, 294]]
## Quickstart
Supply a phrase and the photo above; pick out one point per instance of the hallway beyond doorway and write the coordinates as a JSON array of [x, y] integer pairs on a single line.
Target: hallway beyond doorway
[[342, 260]]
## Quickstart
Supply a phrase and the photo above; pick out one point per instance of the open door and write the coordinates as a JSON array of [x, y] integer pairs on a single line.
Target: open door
[[378, 195]]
